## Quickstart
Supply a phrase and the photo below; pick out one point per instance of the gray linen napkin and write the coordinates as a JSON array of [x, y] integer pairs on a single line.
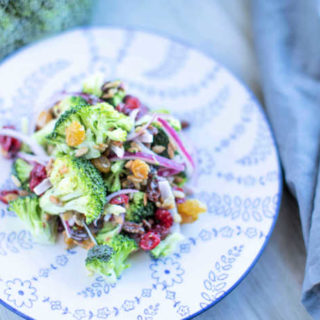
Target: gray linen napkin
[[287, 37]]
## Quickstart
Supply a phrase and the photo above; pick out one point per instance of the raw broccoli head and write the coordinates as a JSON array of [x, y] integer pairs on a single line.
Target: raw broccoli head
[[112, 266], [92, 84], [77, 185], [68, 103], [21, 170], [166, 246], [99, 260], [137, 210], [101, 123], [28, 210]]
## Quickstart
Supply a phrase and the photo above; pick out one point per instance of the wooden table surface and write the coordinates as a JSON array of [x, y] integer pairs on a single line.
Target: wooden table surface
[[272, 289]]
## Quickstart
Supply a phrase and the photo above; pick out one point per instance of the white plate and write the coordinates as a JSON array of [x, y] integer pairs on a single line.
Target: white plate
[[239, 179]]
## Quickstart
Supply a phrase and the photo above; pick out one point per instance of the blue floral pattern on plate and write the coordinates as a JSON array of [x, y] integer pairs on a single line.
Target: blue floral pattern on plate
[[238, 177]]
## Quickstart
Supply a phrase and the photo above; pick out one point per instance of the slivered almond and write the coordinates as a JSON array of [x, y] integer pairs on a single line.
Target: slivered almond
[[158, 149], [23, 193], [81, 152], [128, 164], [55, 200], [145, 199], [16, 181]]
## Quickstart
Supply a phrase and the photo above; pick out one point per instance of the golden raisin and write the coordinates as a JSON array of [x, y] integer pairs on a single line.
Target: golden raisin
[[43, 118], [190, 210], [103, 164], [140, 169], [75, 134]]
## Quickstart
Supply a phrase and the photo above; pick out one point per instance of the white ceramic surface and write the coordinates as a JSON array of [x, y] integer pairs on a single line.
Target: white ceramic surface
[[238, 177]]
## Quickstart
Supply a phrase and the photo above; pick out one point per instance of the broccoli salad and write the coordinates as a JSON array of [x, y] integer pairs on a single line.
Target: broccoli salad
[[106, 172]]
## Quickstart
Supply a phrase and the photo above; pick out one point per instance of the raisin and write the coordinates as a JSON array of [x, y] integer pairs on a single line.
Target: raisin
[[75, 134], [153, 191], [132, 227]]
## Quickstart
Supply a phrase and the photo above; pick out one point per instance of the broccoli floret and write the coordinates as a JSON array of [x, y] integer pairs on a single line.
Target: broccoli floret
[[100, 122], [41, 135], [21, 170], [112, 179], [108, 231], [161, 139], [122, 247], [77, 185], [137, 210], [166, 246], [182, 179], [113, 256], [93, 84], [29, 211], [24, 21], [99, 260], [68, 103]]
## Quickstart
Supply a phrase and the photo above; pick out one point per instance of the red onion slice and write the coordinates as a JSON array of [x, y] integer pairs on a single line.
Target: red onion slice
[[135, 134], [32, 158], [36, 149], [153, 159], [118, 193], [173, 134]]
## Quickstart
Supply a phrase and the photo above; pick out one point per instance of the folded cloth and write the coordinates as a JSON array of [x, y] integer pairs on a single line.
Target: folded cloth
[[287, 34]]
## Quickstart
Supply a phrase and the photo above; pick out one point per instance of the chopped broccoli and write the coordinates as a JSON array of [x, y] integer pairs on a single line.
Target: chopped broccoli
[[161, 139], [21, 170], [112, 179], [41, 135], [108, 231], [99, 259], [68, 103], [122, 247], [77, 185], [24, 21], [101, 122], [166, 246], [93, 84], [29, 211], [137, 210], [182, 177]]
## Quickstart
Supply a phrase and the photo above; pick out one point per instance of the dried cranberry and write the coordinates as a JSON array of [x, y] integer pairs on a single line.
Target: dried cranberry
[[153, 191], [164, 218], [131, 102], [178, 189], [185, 124], [10, 146], [149, 240], [120, 199], [37, 175], [6, 192]]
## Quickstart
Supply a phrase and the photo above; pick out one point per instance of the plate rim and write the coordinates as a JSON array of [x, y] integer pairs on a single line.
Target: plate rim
[[179, 40]]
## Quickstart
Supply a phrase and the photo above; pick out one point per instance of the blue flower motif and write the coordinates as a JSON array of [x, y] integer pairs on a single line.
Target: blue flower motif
[[103, 313], [205, 235], [44, 272], [185, 247], [170, 295], [128, 305], [55, 305], [167, 272], [62, 260], [21, 293], [183, 311], [146, 293], [80, 314], [251, 232]]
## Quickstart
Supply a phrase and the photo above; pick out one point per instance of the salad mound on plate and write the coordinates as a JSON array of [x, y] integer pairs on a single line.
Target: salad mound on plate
[[106, 172]]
